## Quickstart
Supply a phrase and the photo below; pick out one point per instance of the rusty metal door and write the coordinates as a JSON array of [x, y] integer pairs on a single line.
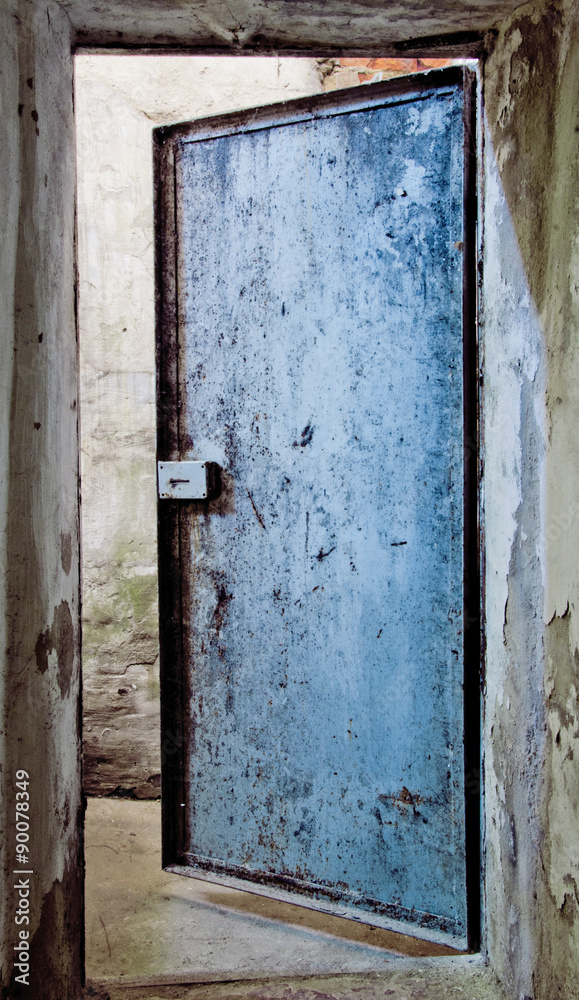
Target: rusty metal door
[[311, 342]]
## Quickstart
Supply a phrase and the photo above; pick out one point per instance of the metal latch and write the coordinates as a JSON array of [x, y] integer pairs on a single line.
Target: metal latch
[[188, 480]]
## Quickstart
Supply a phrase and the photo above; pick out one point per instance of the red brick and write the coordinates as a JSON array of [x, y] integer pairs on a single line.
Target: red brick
[[434, 63], [354, 62], [393, 65]]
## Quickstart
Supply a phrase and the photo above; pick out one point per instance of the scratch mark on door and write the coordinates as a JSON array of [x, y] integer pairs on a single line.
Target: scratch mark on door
[[255, 510]]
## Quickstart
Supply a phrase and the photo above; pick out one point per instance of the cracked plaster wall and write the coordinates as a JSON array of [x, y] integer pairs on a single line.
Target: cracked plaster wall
[[531, 351]]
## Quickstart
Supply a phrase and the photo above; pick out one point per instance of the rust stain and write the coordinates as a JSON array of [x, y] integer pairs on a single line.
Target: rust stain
[[403, 798], [223, 504], [323, 555], [221, 611], [255, 510], [306, 436]]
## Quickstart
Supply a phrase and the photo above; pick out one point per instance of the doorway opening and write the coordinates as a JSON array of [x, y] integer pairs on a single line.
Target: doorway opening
[[119, 100]]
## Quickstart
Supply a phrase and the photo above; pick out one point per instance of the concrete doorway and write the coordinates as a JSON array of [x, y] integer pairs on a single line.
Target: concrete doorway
[[141, 923]]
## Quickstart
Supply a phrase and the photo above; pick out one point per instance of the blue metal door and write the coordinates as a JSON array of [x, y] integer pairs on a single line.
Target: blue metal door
[[311, 306]]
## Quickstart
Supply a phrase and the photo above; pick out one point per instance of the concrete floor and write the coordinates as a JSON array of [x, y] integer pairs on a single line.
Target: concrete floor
[[156, 935]]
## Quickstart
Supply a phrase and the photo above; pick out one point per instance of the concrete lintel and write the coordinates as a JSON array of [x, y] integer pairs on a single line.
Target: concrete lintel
[[323, 26]]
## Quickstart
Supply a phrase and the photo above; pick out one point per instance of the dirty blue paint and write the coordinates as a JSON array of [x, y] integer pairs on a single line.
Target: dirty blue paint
[[320, 284]]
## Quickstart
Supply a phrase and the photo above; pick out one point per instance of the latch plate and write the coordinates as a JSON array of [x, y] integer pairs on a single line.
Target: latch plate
[[187, 480]]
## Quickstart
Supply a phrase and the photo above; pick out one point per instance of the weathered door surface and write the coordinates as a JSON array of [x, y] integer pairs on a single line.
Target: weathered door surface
[[311, 301]]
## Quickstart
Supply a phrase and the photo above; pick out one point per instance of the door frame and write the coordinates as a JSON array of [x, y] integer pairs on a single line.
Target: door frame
[[173, 668], [520, 462]]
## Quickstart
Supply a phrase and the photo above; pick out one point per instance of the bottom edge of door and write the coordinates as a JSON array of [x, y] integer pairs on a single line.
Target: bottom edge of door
[[335, 902]]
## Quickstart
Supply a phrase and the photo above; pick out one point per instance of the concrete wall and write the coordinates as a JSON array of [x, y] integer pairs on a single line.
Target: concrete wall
[[118, 102], [39, 603], [531, 328]]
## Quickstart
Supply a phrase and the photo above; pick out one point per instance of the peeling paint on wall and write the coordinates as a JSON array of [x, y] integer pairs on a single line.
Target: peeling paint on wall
[[60, 639], [532, 101]]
